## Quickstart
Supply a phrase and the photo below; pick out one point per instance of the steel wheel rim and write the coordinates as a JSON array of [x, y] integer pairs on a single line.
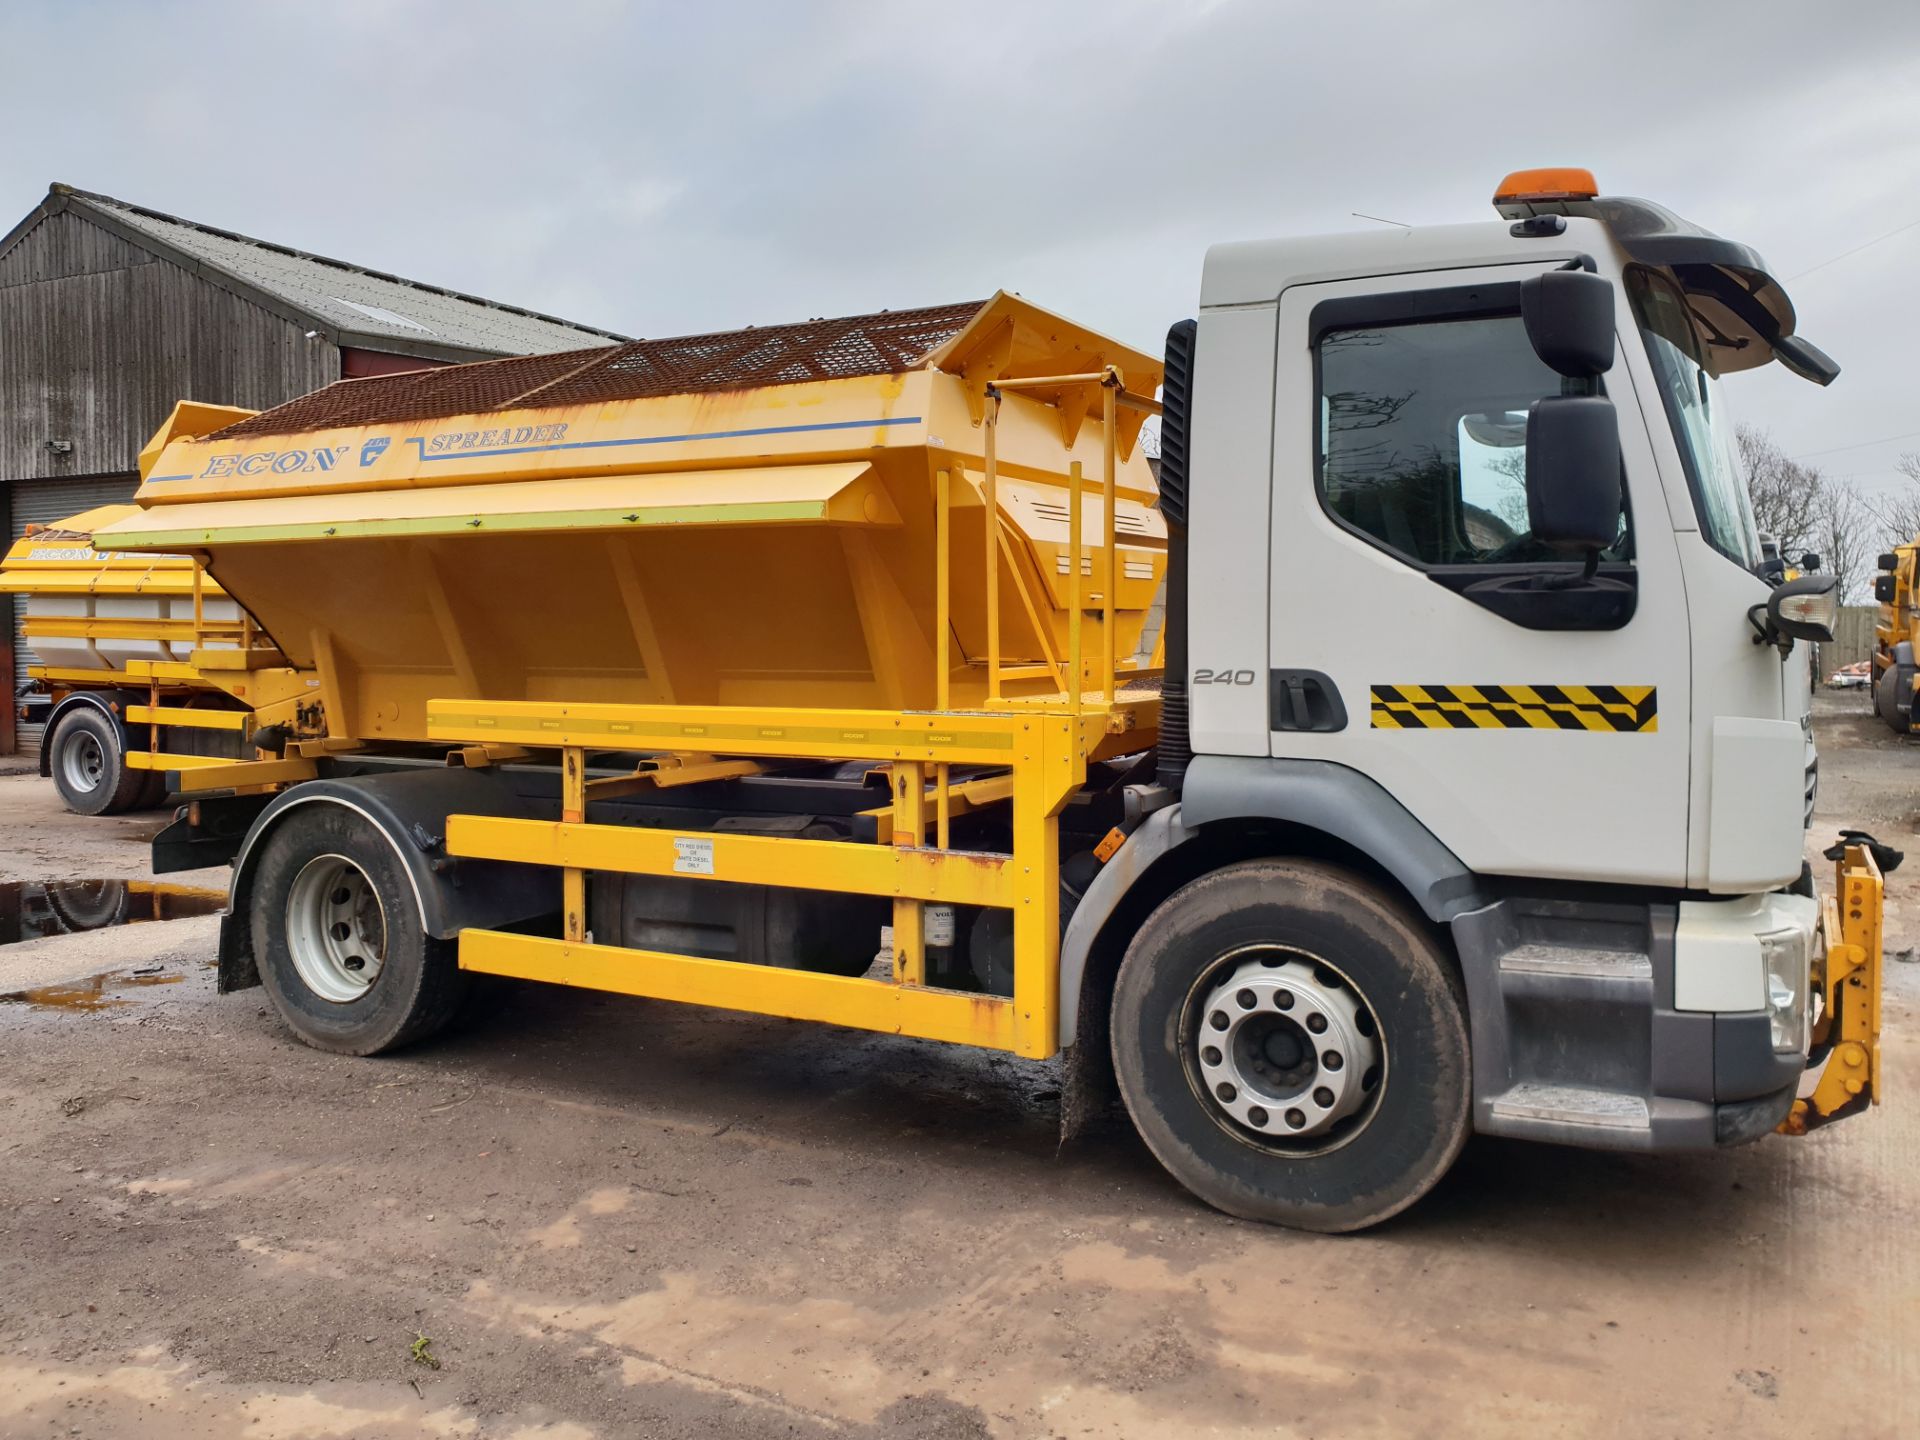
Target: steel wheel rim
[[1298, 1071], [83, 761], [336, 929]]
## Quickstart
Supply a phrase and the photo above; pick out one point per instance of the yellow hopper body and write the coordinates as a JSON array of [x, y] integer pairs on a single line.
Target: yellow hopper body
[[752, 519]]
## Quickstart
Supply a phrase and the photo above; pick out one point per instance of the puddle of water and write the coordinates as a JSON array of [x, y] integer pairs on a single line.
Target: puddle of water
[[93, 993], [35, 909]]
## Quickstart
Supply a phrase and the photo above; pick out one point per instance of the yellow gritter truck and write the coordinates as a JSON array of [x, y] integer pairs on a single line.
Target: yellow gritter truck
[[807, 670], [1896, 638], [115, 637], [124, 647]]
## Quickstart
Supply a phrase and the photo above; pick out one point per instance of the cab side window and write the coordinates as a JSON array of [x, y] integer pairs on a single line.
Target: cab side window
[[1423, 437]]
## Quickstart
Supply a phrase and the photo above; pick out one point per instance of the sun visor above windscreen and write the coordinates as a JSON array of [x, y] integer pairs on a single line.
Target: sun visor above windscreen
[[1741, 314]]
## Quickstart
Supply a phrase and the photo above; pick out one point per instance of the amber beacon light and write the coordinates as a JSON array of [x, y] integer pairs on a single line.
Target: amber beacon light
[[1525, 189]]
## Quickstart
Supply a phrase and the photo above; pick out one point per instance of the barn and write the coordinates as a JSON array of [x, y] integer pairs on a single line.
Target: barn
[[110, 312]]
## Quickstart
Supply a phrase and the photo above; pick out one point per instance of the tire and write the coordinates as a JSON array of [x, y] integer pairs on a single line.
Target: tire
[[1889, 698], [88, 763], [329, 889], [1277, 931], [88, 904]]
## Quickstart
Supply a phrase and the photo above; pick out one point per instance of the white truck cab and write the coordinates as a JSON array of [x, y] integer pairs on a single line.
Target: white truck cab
[[1473, 600]]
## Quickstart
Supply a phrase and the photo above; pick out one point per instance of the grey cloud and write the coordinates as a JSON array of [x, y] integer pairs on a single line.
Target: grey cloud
[[665, 168]]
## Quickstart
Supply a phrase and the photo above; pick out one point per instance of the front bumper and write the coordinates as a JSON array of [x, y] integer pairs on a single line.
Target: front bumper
[[1675, 1026]]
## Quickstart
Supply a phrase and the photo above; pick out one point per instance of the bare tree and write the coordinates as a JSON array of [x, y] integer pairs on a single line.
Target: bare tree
[[1899, 513], [1846, 540], [1799, 507], [1787, 496]]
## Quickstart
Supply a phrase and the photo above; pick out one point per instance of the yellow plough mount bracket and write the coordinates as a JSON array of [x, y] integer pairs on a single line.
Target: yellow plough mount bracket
[[1847, 980]]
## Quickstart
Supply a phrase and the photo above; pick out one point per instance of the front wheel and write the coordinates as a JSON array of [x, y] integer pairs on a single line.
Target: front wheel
[[1292, 1046], [339, 939]]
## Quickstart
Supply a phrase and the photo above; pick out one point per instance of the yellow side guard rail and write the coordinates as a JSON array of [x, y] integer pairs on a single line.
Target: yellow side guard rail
[[184, 718], [1043, 756], [1847, 980]]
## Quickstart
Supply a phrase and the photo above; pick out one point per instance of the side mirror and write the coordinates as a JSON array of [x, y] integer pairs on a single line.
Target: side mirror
[[1810, 560], [1805, 359], [1573, 471], [1803, 609], [1569, 320], [1887, 560], [1884, 587]]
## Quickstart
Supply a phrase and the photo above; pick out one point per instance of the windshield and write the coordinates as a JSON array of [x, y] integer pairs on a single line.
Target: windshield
[[1701, 426]]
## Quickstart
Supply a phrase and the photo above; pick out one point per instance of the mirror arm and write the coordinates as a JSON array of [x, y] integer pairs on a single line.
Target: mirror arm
[[1764, 632]]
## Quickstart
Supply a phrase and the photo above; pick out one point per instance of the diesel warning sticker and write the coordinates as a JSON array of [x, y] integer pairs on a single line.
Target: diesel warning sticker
[[1605, 709], [692, 855]]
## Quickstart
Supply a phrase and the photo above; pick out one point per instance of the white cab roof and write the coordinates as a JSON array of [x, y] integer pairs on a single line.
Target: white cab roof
[[1254, 272]]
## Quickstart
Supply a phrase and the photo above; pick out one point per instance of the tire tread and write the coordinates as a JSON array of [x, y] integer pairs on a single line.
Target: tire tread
[[1419, 1000]]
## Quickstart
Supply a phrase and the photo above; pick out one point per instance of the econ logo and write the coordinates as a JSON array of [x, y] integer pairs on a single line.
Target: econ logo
[[374, 449], [276, 462]]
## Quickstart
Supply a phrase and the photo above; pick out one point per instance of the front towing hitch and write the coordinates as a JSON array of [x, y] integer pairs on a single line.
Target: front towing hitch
[[1847, 978]]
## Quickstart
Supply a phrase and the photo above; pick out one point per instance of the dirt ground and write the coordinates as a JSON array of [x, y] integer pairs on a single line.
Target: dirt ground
[[618, 1218]]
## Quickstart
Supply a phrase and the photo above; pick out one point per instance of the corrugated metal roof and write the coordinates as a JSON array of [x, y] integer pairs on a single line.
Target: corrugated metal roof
[[887, 343], [353, 306]]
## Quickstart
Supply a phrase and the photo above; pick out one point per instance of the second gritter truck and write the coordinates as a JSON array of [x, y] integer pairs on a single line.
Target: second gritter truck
[[815, 671], [1896, 638]]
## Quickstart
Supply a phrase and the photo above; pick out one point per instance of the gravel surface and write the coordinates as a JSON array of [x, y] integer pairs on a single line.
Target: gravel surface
[[617, 1218]]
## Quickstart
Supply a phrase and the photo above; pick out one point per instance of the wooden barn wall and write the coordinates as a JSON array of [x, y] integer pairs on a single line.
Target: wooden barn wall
[[66, 244], [98, 339], [1852, 638]]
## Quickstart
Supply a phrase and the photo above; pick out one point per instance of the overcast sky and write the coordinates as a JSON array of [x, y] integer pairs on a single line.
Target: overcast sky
[[658, 169]]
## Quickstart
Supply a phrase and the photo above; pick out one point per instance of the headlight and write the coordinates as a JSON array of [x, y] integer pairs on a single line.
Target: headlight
[[1784, 954]]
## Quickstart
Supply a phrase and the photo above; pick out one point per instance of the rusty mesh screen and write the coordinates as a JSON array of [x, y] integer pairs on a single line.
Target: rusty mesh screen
[[882, 344]]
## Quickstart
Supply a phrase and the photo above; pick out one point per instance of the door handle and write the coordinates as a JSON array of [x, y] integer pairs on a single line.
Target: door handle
[[1304, 700]]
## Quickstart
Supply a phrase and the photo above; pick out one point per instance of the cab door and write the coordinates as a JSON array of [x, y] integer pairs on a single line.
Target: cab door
[[1533, 718]]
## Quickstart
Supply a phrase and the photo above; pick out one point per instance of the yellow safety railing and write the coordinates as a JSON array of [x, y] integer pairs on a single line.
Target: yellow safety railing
[[1069, 671], [1113, 397], [1042, 756]]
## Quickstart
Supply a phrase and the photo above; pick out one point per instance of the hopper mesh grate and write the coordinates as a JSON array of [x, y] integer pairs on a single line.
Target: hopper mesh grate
[[883, 344]]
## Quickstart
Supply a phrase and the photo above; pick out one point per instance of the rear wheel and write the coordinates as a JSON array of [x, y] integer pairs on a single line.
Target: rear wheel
[[1293, 1046], [1893, 697], [89, 765], [339, 938], [88, 904]]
